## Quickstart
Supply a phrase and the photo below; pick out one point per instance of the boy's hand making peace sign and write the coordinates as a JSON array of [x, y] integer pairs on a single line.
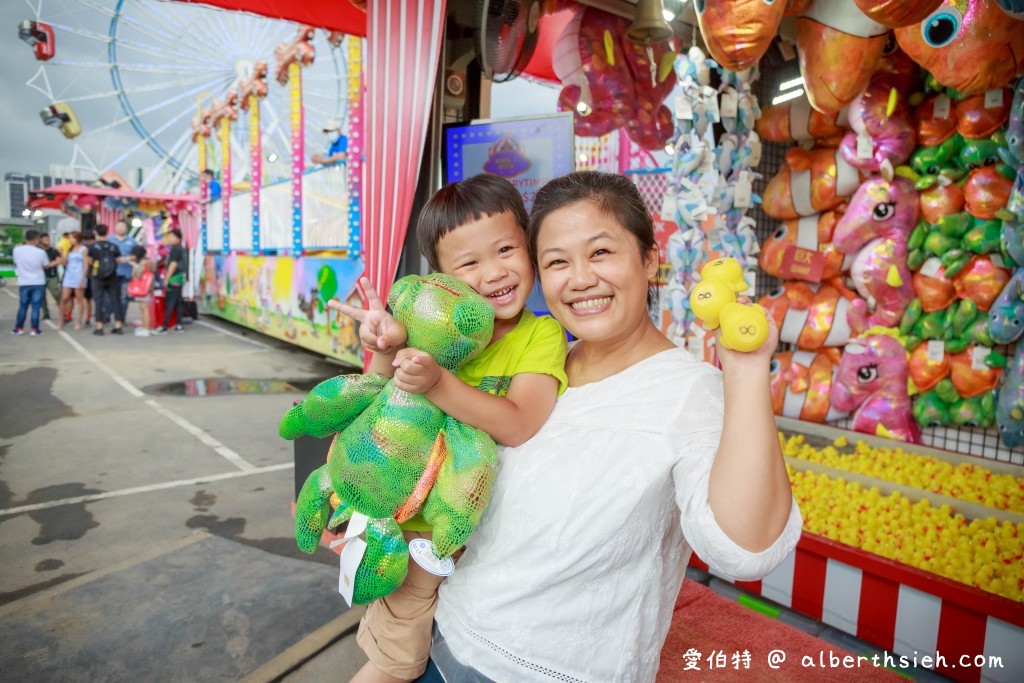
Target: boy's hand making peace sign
[[379, 331]]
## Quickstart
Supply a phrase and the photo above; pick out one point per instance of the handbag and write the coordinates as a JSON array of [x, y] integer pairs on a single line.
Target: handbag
[[140, 286]]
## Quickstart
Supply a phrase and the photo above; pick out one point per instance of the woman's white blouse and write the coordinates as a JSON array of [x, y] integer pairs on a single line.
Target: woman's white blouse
[[573, 572]]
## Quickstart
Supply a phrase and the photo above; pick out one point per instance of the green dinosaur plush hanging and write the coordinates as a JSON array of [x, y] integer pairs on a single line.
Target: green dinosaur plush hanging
[[395, 452]]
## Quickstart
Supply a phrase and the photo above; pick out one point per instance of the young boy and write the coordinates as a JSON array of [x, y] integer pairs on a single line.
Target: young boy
[[473, 230]]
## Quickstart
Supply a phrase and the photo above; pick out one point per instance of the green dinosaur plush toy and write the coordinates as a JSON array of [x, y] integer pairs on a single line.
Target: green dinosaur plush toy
[[395, 452]]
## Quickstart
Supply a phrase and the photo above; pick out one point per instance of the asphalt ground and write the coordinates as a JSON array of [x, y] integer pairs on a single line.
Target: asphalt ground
[[145, 518]]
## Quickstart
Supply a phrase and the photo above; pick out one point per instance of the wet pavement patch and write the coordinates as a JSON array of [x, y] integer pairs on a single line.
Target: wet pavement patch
[[49, 565], [208, 611], [226, 386], [64, 522], [28, 401]]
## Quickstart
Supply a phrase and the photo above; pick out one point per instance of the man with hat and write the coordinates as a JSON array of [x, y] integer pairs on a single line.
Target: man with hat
[[339, 144]]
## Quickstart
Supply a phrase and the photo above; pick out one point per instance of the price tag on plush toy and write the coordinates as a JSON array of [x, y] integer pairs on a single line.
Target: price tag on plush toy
[[744, 191], [865, 145], [979, 354], [422, 552], [931, 267], [668, 206], [994, 98], [730, 104], [941, 107], [684, 109], [936, 350], [351, 557]]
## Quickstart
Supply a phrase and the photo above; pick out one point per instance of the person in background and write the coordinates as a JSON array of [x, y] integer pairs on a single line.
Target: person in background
[[142, 264], [64, 243], [75, 277], [29, 263], [338, 150], [125, 245], [52, 281], [212, 186], [174, 280], [105, 257], [88, 239]]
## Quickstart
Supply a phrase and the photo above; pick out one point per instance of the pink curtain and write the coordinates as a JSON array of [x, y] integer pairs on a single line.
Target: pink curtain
[[404, 44]]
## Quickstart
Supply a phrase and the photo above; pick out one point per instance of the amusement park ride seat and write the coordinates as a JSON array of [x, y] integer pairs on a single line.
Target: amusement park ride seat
[[40, 36], [61, 115]]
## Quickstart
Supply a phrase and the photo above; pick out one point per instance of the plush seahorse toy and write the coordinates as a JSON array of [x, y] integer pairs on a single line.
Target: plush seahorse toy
[[395, 452]]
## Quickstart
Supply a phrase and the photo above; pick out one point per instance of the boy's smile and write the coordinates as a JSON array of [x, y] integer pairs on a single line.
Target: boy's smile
[[490, 255]]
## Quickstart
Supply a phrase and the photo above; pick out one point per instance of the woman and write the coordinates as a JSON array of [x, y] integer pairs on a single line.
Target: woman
[[141, 265], [73, 285], [573, 572]]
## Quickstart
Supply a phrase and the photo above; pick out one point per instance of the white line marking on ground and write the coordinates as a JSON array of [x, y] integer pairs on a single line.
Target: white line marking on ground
[[144, 489], [222, 450], [221, 330], [10, 293]]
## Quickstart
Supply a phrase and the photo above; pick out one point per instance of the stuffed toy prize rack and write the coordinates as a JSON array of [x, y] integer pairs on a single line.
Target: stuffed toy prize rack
[[395, 452]]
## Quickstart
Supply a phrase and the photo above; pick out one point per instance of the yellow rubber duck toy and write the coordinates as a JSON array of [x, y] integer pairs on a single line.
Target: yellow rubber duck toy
[[713, 300]]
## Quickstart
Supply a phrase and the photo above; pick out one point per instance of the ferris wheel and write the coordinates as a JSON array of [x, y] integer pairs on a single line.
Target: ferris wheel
[[122, 79]]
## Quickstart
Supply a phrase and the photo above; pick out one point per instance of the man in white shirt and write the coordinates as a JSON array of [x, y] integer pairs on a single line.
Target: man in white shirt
[[29, 262]]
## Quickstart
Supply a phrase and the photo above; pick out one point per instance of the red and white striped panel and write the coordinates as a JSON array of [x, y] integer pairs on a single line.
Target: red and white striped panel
[[108, 216], [403, 45], [899, 608]]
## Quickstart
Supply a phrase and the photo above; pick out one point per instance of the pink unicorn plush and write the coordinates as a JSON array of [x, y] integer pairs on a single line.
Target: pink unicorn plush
[[875, 229], [871, 382]]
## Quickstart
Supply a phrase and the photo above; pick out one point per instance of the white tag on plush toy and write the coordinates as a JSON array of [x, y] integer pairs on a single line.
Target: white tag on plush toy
[[994, 98], [936, 350], [351, 556], [422, 552], [941, 107], [730, 104], [865, 145], [684, 110], [668, 206], [978, 356], [931, 267], [744, 191], [356, 525]]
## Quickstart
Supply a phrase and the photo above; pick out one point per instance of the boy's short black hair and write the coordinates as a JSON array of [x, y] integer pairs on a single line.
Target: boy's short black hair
[[462, 202], [31, 235], [102, 230], [139, 251]]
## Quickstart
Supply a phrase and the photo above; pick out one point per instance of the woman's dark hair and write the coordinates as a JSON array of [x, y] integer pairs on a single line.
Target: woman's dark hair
[[462, 202], [139, 252], [615, 195]]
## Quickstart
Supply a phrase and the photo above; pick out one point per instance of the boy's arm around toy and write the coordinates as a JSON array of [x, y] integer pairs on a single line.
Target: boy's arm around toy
[[510, 420]]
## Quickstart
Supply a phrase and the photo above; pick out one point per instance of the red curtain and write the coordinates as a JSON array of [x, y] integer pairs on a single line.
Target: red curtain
[[403, 45]]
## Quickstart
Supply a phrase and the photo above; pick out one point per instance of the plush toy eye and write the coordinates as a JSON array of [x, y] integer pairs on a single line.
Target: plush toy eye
[[780, 233], [699, 6], [934, 170], [867, 374], [774, 367], [942, 26], [776, 293], [884, 212]]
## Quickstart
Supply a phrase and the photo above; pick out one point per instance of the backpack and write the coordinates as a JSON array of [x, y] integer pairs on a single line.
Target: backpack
[[107, 260]]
